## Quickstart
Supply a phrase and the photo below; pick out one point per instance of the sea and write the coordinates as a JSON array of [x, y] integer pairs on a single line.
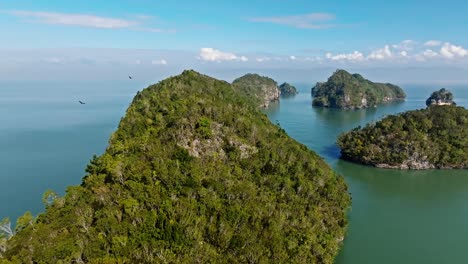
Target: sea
[[47, 138]]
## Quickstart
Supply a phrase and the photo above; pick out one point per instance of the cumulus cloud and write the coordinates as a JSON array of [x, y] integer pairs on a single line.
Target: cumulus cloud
[[292, 57], [450, 51], [307, 21], [430, 53], [433, 43], [381, 54], [84, 20], [355, 56], [159, 62], [211, 54], [405, 45]]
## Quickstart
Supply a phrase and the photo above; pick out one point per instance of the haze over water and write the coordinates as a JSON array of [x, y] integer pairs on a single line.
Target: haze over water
[[47, 138]]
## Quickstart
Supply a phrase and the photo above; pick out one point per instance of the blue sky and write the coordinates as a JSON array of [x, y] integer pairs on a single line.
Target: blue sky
[[226, 37]]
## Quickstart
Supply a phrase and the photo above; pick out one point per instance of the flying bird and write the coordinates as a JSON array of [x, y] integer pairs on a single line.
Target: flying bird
[[81, 102]]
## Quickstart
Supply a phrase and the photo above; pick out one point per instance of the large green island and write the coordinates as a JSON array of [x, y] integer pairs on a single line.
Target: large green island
[[351, 91], [435, 137], [195, 173]]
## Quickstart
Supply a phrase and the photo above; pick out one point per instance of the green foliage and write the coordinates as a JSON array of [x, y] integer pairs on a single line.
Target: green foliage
[[436, 135], [287, 89], [349, 91], [442, 96], [256, 196], [203, 127], [256, 88]]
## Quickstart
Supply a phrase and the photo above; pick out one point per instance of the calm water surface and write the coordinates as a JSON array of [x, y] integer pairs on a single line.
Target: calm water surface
[[47, 138]]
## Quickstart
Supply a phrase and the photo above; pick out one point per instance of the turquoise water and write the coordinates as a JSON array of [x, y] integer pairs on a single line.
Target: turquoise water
[[396, 216], [47, 138]]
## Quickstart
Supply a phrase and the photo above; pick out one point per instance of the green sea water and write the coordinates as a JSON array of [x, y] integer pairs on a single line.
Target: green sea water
[[47, 138]]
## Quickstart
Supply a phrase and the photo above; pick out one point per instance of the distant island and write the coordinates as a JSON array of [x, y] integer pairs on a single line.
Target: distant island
[[195, 173], [435, 137], [287, 89], [441, 97], [262, 90], [351, 91]]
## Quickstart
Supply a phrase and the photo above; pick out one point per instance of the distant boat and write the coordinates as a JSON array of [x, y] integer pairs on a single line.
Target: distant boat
[[130, 77], [81, 102]]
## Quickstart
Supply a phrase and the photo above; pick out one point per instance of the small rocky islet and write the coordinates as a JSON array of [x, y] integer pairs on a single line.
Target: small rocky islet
[[287, 89]]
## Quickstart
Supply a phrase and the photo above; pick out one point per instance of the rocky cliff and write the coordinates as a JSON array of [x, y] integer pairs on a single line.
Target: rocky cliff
[[351, 91], [441, 97], [262, 90], [287, 89]]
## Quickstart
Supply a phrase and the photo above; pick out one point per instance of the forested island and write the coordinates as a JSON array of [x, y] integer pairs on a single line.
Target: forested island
[[435, 137], [441, 97], [351, 91], [287, 89], [260, 89], [195, 173]]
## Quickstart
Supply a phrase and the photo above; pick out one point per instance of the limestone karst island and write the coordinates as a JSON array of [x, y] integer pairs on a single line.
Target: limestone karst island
[[351, 91]]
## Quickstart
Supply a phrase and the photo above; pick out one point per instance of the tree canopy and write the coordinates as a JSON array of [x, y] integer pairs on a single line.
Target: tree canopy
[[195, 173], [436, 137], [350, 91]]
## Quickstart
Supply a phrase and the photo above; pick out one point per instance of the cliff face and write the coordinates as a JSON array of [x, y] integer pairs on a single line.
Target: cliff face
[[435, 137], [195, 173], [262, 90], [441, 97], [287, 89], [350, 91]]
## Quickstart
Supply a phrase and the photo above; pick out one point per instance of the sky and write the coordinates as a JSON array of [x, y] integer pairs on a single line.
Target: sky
[[292, 40]]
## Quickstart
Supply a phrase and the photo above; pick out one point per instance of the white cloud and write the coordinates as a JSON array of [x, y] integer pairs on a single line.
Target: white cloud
[[355, 56], [381, 54], [450, 51], [262, 59], [159, 62], [75, 19], [292, 57], [430, 53], [210, 54], [405, 45], [404, 53], [85, 20], [307, 21], [433, 43]]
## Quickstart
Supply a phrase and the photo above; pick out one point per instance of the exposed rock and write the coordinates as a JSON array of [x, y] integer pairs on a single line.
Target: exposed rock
[[352, 91], [430, 138], [261, 89], [287, 89], [441, 97]]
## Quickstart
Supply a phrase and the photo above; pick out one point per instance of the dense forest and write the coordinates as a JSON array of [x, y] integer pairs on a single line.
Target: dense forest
[[351, 91], [195, 173], [260, 89], [436, 137]]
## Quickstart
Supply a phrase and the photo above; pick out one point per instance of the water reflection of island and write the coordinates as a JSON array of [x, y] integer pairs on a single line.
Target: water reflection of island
[[345, 120]]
